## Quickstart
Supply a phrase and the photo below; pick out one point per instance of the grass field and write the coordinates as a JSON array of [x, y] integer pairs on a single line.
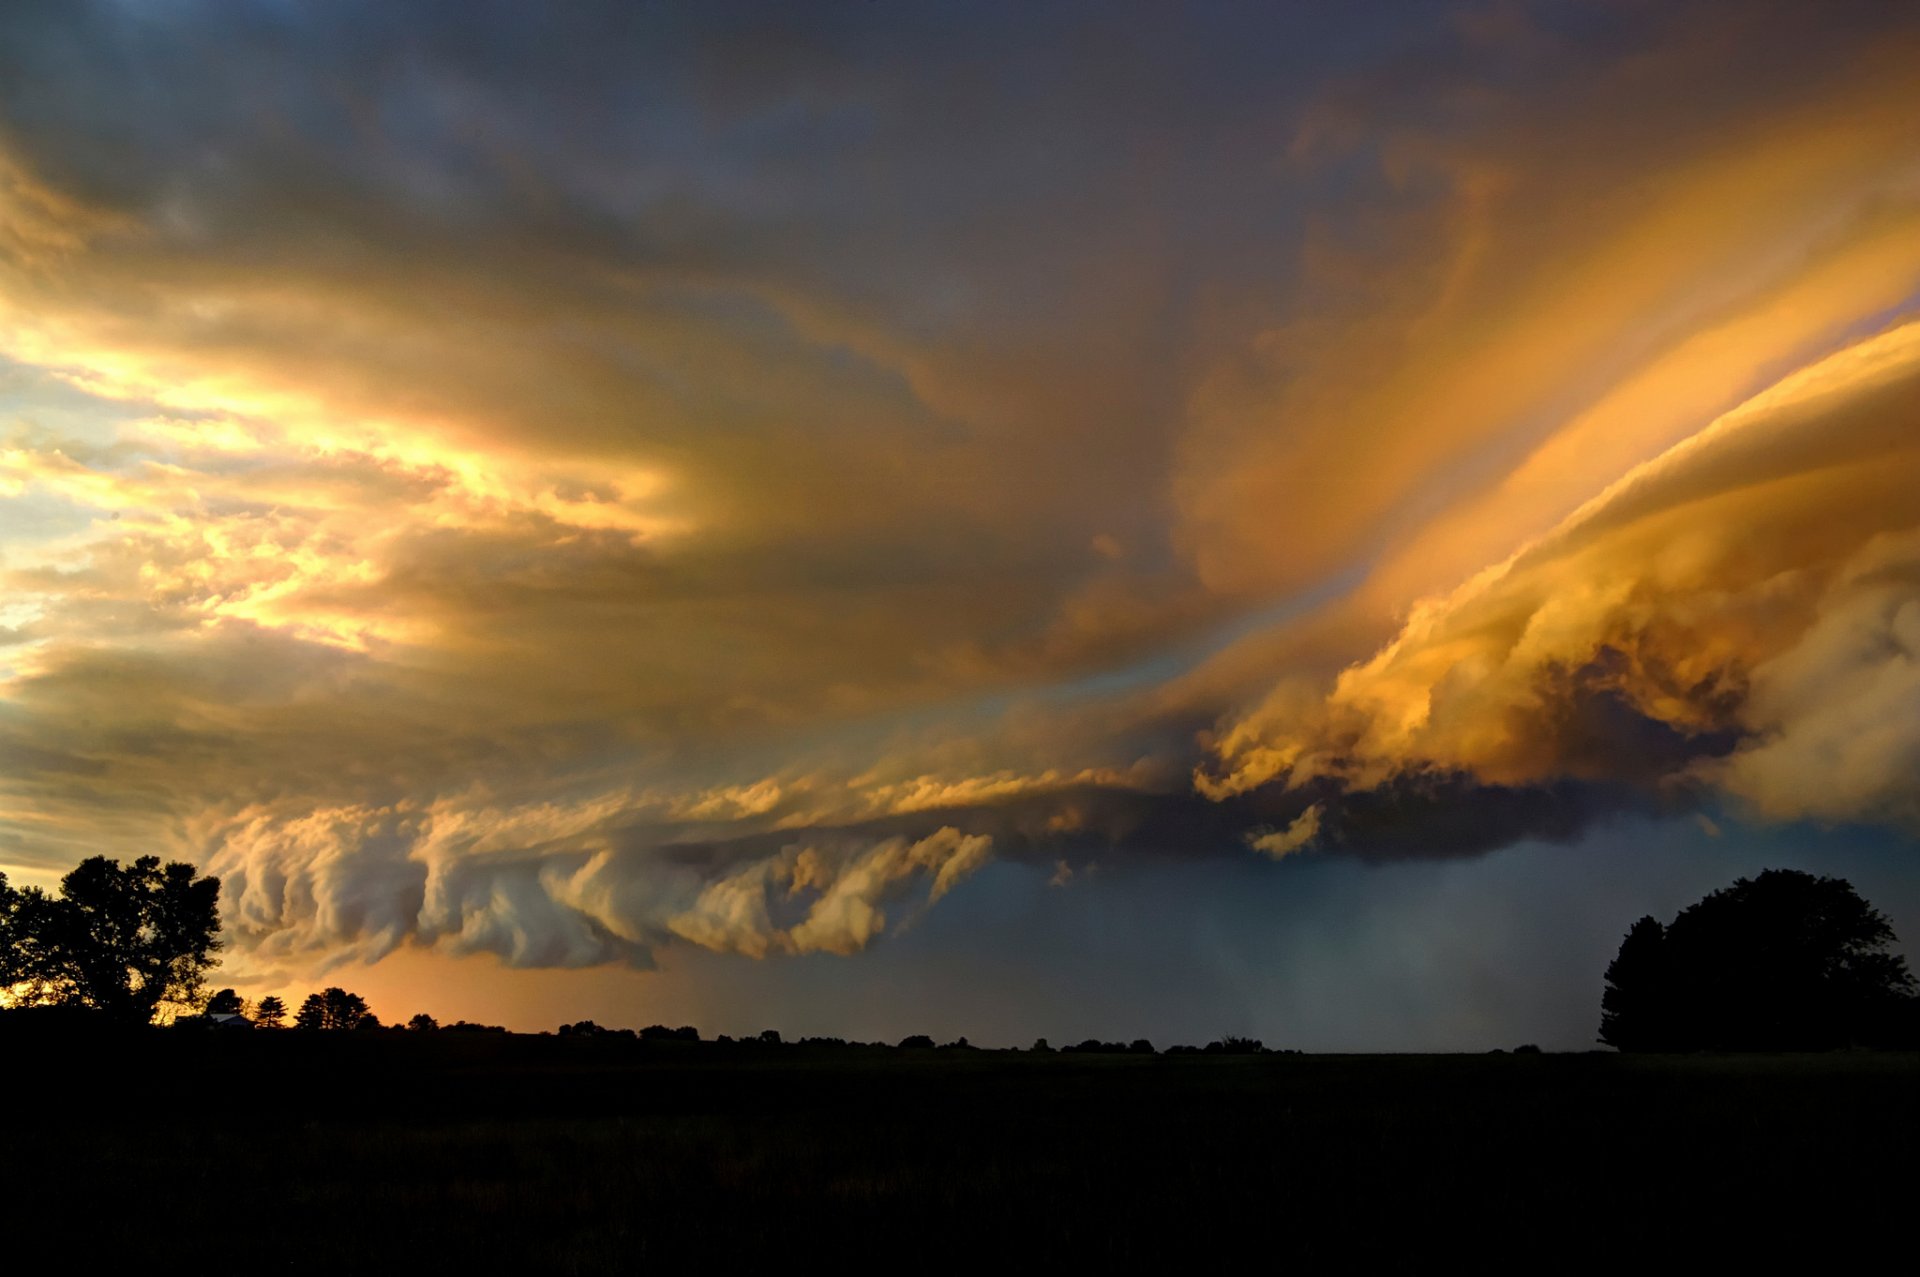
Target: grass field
[[359, 1152]]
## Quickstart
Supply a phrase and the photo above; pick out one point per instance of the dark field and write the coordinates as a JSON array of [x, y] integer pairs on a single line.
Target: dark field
[[329, 1152]]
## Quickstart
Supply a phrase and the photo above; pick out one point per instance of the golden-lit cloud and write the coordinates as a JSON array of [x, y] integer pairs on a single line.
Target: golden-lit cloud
[[1566, 296], [1295, 837], [1721, 613]]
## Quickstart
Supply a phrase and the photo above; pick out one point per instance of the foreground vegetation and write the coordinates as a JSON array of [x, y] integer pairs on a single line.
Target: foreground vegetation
[[341, 1145], [355, 1151]]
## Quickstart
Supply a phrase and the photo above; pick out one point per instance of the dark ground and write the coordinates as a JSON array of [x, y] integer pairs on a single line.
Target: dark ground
[[358, 1152]]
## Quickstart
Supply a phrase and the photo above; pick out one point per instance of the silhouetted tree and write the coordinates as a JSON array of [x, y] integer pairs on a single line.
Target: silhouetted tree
[[332, 1008], [1637, 1007], [271, 1013], [1040, 1047], [916, 1042], [423, 1023], [1781, 961], [1094, 1046], [27, 965], [225, 1002], [9, 923], [770, 1037], [122, 939], [1231, 1045]]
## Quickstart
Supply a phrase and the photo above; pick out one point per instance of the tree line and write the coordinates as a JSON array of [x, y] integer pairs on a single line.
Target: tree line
[[1785, 961], [336, 1009]]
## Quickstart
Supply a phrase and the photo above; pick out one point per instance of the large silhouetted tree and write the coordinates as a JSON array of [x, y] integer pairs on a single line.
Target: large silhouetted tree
[[332, 1008], [1783, 961], [131, 937], [122, 939]]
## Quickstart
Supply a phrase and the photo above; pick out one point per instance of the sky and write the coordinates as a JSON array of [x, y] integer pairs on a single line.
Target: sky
[[1008, 520]]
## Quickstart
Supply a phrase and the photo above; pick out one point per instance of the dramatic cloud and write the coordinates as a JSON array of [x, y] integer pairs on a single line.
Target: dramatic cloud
[[541, 886], [565, 485], [1739, 611]]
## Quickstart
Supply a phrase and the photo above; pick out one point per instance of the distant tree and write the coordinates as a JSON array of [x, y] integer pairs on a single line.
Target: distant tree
[[271, 1013], [1094, 1046], [122, 939], [1040, 1047], [332, 1008], [916, 1042], [423, 1023], [1782, 961], [661, 1033], [225, 1002], [770, 1036]]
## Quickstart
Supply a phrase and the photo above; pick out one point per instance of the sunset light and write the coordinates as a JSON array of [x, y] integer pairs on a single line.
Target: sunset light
[[891, 517]]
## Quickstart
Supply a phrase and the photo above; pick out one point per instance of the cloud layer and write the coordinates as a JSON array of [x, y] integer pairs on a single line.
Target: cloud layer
[[1738, 612], [563, 485]]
